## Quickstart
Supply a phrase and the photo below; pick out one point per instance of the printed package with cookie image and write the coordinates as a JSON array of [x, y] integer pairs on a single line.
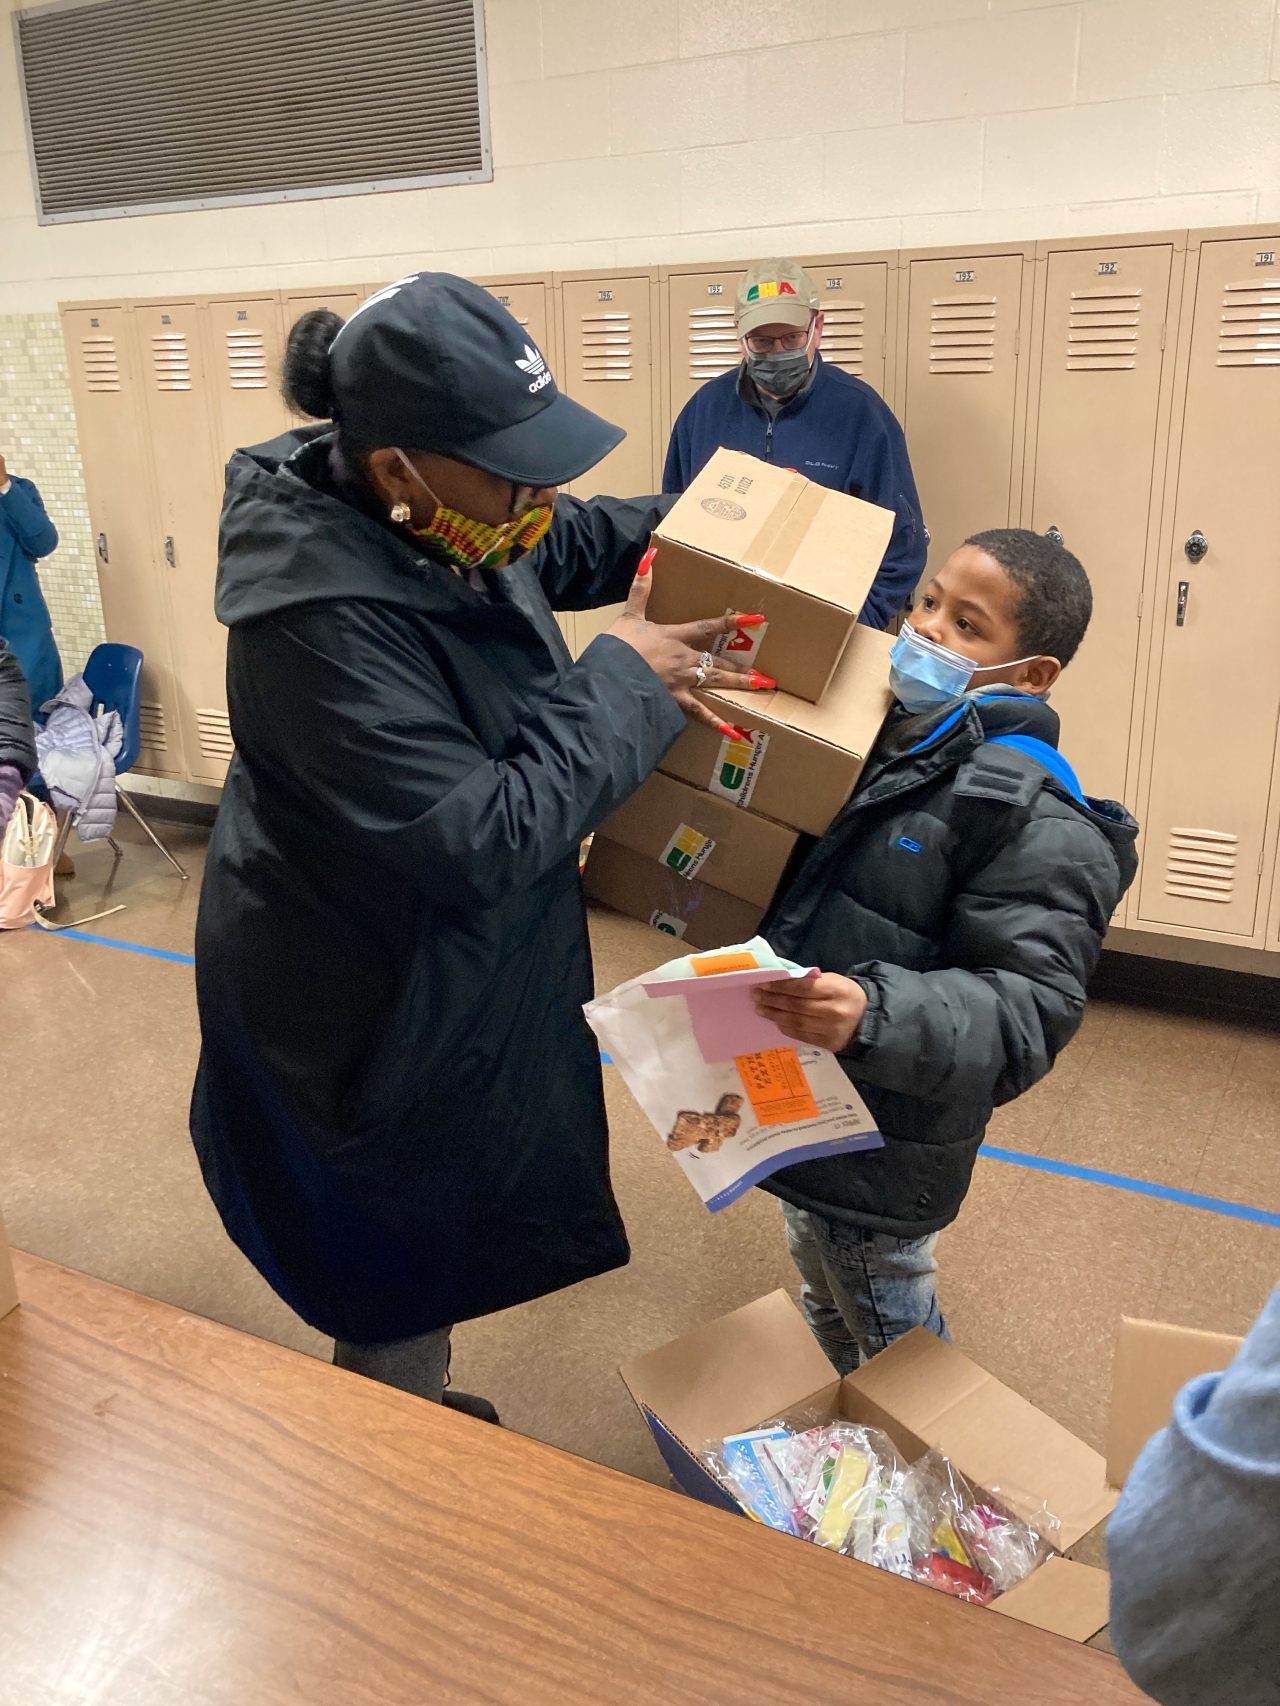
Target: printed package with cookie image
[[707, 1131]]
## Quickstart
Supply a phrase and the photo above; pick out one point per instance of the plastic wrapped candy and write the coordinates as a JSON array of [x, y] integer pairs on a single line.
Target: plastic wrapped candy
[[969, 1547]]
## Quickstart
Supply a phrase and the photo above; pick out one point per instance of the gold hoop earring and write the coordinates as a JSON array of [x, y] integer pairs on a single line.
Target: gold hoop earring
[[401, 512]]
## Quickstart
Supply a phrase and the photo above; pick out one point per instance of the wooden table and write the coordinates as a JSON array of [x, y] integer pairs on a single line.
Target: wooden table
[[190, 1515]]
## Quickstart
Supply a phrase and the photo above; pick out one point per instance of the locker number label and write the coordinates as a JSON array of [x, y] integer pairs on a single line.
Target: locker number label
[[1265, 258], [715, 290], [1108, 269], [835, 284], [965, 275], [604, 296], [504, 302]]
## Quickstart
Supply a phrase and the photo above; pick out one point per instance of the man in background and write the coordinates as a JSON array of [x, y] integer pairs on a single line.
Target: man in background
[[25, 534], [784, 404]]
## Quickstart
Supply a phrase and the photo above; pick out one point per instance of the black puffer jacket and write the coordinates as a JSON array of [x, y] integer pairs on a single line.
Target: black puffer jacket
[[17, 737], [967, 887]]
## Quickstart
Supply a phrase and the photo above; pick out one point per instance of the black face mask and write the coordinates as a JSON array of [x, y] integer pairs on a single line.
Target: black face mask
[[780, 375]]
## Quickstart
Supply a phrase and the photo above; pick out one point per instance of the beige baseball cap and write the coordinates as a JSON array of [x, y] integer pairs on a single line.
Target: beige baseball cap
[[775, 293]]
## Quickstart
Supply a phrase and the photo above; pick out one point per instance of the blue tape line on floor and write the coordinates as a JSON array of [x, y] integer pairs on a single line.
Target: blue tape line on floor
[[1015, 1157], [126, 947], [1141, 1187]]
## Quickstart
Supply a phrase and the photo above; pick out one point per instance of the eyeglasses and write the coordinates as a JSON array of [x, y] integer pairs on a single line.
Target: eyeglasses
[[761, 343]]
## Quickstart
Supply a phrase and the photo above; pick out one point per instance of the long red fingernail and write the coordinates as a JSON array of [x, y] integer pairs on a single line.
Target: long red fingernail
[[729, 730], [646, 562], [749, 621], [758, 680]]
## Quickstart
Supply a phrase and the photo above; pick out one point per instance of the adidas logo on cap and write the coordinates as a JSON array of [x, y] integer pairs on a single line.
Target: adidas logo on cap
[[535, 366]]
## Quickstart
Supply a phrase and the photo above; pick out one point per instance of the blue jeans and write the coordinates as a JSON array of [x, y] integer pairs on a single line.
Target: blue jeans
[[862, 1289]]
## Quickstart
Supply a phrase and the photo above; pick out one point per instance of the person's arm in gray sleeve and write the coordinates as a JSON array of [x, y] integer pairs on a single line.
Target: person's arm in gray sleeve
[[1194, 1544]]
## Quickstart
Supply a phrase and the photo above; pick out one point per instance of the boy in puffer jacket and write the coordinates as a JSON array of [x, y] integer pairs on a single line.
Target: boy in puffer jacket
[[957, 908]]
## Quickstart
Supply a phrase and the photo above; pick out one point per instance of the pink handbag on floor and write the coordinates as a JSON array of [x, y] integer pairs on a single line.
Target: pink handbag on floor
[[26, 862]]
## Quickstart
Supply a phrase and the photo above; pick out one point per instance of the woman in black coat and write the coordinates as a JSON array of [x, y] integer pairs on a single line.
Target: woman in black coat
[[399, 1110]]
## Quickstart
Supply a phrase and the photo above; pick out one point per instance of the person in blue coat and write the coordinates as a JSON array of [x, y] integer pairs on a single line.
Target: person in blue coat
[[25, 534], [784, 404]]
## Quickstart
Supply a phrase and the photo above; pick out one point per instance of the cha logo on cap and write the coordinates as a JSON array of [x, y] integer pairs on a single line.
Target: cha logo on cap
[[771, 287], [535, 366]]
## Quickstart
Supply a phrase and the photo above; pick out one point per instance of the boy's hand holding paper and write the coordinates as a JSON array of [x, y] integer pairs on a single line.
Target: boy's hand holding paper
[[722, 1084], [824, 1011]]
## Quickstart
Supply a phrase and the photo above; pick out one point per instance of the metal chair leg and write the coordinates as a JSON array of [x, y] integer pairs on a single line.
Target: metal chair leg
[[64, 831], [123, 797], [115, 847]]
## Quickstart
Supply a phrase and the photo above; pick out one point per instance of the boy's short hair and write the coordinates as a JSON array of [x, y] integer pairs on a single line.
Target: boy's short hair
[[1055, 601]]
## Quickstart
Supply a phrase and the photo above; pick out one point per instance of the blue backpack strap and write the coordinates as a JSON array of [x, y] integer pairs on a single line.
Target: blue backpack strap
[[1045, 755]]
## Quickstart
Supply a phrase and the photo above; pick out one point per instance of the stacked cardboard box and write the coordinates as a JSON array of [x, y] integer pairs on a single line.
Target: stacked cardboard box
[[700, 849]]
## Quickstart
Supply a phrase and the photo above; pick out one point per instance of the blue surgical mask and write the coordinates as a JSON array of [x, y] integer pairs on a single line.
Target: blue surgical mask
[[924, 674]]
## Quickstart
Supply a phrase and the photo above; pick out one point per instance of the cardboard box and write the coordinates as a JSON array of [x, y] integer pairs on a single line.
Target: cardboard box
[[814, 753], [634, 883], [762, 1362], [1153, 1362], [748, 536], [8, 1285], [693, 834]]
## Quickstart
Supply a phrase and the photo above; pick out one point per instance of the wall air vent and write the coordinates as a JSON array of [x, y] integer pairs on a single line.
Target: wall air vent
[[141, 106]]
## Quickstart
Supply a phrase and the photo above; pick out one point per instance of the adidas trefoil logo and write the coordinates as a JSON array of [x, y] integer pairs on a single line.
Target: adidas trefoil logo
[[535, 366]]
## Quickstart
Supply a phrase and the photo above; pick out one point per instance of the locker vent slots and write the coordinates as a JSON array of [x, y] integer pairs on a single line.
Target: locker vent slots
[[1102, 334], [101, 363], [215, 734], [962, 334], [606, 346], [171, 360], [713, 342], [842, 334], [151, 727], [135, 108], [1201, 865], [247, 359], [1250, 332]]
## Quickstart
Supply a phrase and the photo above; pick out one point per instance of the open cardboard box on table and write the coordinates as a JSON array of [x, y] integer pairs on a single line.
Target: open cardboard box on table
[[748, 536], [815, 753], [761, 1363]]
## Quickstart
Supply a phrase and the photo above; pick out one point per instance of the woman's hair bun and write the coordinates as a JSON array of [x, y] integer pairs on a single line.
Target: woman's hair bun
[[307, 376]]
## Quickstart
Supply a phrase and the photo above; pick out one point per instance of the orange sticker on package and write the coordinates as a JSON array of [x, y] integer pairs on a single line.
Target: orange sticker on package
[[776, 1084]]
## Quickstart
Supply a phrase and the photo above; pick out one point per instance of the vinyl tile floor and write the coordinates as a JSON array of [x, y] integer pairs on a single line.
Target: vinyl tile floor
[[96, 1170]]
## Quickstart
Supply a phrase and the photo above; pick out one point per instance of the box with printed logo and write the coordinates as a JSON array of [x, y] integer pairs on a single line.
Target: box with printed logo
[[747, 536], [801, 761], [689, 833], [685, 907]]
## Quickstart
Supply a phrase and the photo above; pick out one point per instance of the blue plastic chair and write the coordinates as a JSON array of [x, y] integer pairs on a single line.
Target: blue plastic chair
[[113, 675]]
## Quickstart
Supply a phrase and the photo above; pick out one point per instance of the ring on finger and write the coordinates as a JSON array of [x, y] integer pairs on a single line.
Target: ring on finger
[[706, 663]]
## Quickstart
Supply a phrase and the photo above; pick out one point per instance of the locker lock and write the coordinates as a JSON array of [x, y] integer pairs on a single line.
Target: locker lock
[[102, 547], [168, 551], [1196, 547], [1054, 533]]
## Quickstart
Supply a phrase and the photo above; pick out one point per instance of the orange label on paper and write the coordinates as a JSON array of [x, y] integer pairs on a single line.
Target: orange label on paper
[[777, 1086], [707, 965]]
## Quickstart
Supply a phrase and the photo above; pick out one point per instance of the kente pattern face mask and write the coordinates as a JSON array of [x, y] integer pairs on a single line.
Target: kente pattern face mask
[[923, 674], [467, 544]]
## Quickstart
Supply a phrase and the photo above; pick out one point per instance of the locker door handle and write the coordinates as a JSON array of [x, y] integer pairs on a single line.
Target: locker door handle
[[102, 547], [1196, 547], [168, 551], [1184, 587]]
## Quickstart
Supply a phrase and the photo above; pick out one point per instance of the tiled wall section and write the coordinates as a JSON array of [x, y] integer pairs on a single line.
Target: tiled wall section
[[38, 441]]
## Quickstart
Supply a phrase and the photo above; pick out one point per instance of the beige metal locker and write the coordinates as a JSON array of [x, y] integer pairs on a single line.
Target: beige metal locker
[[1096, 439], [106, 385], [698, 332], [530, 300], [188, 483], [344, 301], [962, 405], [244, 347], [854, 294], [607, 366], [1210, 748]]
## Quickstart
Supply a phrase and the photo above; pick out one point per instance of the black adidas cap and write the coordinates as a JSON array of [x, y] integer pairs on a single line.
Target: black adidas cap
[[433, 362]]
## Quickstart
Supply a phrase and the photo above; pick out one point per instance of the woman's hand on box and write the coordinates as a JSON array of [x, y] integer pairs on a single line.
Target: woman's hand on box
[[823, 1011], [679, 654]]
